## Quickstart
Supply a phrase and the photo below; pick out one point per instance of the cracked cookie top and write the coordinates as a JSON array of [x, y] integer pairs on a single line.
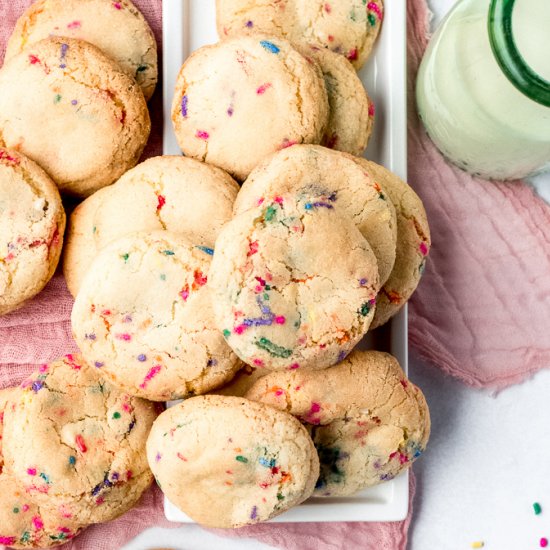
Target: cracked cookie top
[[294, 283], [244, 98], [322, 175], [72, 110], [144, 316], [175, 193], [368, 422], [413, 242], [75, 444], [229, 462], [32, 223], [118, 29], [347, 27]]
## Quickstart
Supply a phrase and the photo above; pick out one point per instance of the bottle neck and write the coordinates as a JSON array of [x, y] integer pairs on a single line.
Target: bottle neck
[[510, 60]]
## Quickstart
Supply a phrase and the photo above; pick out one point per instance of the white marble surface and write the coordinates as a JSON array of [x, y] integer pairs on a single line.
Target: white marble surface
[[487, 462]]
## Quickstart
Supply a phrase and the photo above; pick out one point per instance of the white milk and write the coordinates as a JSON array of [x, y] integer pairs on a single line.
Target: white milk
[[472, 112]]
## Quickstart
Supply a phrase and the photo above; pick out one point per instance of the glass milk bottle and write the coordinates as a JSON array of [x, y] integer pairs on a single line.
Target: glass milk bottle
[[483, 88]]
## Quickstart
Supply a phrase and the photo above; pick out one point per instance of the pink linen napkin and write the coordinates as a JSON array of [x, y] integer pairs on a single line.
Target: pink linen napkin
[[40, 332], [481, 312]]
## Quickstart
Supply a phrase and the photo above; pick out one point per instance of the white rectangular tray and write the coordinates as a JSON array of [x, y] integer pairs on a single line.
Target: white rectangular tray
[[190, 24]]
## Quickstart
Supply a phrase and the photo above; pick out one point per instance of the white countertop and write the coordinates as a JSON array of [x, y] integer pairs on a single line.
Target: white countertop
[[487, 462]]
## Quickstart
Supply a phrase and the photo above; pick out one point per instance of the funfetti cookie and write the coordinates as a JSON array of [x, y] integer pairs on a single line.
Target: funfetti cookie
[[413, 242], [32, 223], [80, 247], [294, 284], [347, 27], [228, 462], [333, 180], [368, 422], [118, 29], [144, 316], [175, 193], [25, 524], [351, 111], [244, 98], [76, 444], [72, 110]]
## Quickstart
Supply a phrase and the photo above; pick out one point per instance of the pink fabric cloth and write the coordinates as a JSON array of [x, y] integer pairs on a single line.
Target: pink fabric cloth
[[40, 332], [481, 311]]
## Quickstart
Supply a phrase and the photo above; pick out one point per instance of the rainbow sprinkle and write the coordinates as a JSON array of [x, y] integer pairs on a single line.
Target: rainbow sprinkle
[[269, 46]]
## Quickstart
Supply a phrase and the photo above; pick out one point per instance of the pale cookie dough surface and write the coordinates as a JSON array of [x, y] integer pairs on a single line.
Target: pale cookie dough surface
[[80, 247], [6, 396], [144, 314], [32, 223], [229, 462], [351, 111], [76, 444], [24, 524], [242, 382], [72, 110], [368, 422], [117, 28], [175, 193], [347, 27], [333, 179], [413, 243], [294, 284], [244, 98]]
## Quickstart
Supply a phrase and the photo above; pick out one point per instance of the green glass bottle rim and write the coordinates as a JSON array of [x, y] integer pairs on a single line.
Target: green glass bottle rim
[[510, 60]]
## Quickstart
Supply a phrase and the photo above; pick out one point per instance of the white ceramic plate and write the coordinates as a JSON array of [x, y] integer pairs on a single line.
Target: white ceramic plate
[[190, 24]]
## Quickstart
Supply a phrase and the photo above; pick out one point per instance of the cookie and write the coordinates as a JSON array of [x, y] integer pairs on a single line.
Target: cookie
[[294, 284], [72, 110], [351, 111], [229, 462], [333, 180], [80, 248], [347, 27], [24, 524], [242, 381], [32, 223], [244, 98], [368, 422], [118, 29], [413, 243], [5, 396], [176, 193], [144, 316], [76, 444]]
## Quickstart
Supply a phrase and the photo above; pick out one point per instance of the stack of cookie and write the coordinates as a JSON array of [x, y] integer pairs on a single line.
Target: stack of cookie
[[73, 119], [246, 301]]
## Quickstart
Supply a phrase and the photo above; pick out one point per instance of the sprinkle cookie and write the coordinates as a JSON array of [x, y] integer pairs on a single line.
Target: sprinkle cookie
[[413, 243], [351, 111], [118, 29], [281, 299], [262, 90], [75, 444], [80, 248], [347, 27], [61, 94], [334, 181], [175, 193], [368, 422], [228, 462], [24, 524], [144, 316], [32, 222]]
